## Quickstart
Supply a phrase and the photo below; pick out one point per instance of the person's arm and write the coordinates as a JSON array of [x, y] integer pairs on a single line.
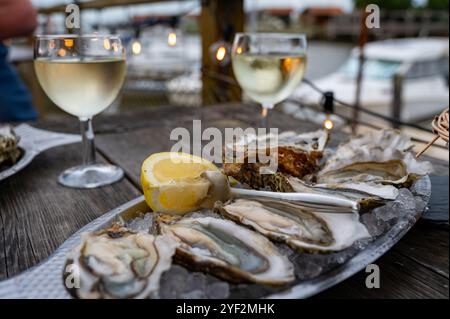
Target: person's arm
[[17, 18]]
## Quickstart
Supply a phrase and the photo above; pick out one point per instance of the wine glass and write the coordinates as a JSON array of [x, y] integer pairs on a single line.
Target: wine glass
[[82, 74], [269, 66]]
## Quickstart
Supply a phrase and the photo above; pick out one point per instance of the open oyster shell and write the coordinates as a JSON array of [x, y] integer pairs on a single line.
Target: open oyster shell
[[378, 156], [372, 166], [117, 263], [300, 229], [367, 193], [9, 151], [297, 155], [227, 250]]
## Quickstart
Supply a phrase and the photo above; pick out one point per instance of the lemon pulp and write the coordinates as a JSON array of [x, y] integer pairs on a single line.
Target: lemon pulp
[[172, 183]]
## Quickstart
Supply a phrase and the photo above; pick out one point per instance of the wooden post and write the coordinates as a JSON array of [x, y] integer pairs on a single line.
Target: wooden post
[[363, 37], [217, 18], [397, 84]]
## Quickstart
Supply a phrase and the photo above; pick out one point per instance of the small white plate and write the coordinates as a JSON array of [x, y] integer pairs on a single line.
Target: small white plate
[[34, 141]]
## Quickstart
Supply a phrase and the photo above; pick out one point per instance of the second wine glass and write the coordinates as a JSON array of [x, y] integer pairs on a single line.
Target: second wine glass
[[269, 66]]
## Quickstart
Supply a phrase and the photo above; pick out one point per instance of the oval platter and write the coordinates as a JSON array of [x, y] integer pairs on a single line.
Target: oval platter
[[46, 281]]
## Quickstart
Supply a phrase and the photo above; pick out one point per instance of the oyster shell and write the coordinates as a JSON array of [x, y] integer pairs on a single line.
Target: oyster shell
[[300, 229], [367, 193], [227, 250], [117, 263], [9, 151], [297, 155], [372, 165], [378, 156]]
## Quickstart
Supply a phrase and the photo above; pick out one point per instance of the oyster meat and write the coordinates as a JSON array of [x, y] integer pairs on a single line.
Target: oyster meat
[[118, 263], [382, 157], [227, 250], [297, 155], [300, 229], [9, 151], [373, 165]]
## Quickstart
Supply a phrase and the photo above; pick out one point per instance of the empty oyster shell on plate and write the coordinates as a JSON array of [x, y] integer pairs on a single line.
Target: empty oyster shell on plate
[[300, 229], [227, 250], [118, 263]]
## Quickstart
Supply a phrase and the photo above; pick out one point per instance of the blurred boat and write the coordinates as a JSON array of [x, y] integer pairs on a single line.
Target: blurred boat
[[424, 63]]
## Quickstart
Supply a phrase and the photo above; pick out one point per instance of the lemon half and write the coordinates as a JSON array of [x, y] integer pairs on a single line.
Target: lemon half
[[171, 182]]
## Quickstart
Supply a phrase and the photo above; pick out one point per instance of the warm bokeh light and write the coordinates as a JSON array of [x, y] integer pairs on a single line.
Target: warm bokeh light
[[221, 53], [172, 39], [68, 43], [106, 44], [136, 47], [239, 50], [62, 52], [328, 124]]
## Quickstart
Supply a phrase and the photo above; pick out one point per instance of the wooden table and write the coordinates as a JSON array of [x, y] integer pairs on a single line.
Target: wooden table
[[37, 214]]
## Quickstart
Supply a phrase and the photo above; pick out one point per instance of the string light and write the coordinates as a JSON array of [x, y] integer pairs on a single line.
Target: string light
[[62, 52], [328, 105], [220, 53], [328, 123], [172, 39], [68, 43], [136, 47], [367, 111]]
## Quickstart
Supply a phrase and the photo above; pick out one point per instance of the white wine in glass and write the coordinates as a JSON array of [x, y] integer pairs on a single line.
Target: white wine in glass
[[83, 88], [82, 75], [269, 67]]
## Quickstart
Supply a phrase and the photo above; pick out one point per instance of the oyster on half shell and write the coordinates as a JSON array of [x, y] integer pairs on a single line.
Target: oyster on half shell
[[371, 166], [296, 155], [9, 150], [300, 229], [382, 157], [118, 263], [227, 250]]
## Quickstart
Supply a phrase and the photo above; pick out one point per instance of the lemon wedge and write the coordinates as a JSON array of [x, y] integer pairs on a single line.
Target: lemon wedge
[[172, 184]]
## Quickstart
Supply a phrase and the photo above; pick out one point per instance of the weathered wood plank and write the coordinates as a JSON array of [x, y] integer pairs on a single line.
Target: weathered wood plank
[[400, 277], [37, 214], [427, 245], [438, 212]]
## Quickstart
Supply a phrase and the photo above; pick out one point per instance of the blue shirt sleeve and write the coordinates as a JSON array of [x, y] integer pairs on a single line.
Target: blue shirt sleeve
[[15, 99]]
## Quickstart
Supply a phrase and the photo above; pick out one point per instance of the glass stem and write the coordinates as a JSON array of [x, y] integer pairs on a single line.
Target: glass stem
[[265, 116], [87, 134]]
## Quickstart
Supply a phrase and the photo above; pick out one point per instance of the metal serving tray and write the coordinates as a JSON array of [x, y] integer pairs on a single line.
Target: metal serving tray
[[34, 141], [45, 280]]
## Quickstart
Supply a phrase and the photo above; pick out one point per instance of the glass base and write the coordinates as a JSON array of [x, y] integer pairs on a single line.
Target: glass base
[[90, 176]]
